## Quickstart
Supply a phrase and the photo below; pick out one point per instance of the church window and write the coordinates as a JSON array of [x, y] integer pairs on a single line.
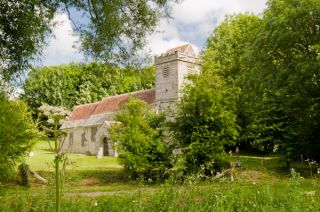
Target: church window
[[83, 140], [93, 133], [165, 71], [70, 139]]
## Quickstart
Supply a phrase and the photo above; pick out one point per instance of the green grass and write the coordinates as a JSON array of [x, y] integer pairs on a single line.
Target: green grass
[[261, 184], [83, 173], [43, 160], [193, 195]]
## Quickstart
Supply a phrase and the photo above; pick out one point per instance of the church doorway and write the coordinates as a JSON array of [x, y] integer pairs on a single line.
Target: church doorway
[[105, 147]]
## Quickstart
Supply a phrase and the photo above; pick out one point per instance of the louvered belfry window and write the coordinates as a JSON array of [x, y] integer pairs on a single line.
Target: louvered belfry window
[[165, 71]]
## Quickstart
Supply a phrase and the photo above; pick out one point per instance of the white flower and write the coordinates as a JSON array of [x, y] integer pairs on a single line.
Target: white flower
[[61, 121], [50, 121]]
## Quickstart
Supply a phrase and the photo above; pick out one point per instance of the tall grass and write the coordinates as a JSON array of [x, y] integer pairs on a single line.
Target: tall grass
[[192, 195]]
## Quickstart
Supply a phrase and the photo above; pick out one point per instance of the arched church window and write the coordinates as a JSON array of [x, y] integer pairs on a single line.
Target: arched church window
[[93, 134], [83, 139]]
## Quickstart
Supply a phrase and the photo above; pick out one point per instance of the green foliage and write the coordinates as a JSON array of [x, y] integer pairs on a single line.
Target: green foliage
[[17, 131], [23, 29], [112, 31], [55, 116], [205, 122], [225, 55], [116, 30], [213, 196], [139, 139], [229, 43], [274, 61], [284, 73], [69, 85]]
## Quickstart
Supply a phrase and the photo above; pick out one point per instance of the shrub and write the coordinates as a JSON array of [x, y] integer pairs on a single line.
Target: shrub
[[140, 141], [16, 135], [206, 122]]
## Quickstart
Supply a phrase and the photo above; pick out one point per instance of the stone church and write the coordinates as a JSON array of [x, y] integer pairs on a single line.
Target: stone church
[[87, 125]]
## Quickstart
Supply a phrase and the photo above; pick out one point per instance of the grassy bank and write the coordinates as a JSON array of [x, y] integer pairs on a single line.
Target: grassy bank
[[290, 195], [91, 184]]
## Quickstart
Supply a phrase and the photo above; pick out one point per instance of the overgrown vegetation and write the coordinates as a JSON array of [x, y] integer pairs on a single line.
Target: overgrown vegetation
[[205, 123], [17, 131], [55, 116], [274, 62], [258, 90], [139, 137]]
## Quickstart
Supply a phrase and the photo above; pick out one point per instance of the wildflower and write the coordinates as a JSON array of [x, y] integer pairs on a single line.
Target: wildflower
[[310, 193], [50, 121], [96, 204]]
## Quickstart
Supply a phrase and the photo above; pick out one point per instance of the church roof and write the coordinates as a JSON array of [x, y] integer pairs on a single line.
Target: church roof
[[109, 104], [186, 48]]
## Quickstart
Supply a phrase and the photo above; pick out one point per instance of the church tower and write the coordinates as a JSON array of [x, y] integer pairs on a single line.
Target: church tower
[[172, 68]]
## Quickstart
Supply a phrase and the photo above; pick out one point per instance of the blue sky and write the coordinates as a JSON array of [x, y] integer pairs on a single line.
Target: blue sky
[[192, 22]]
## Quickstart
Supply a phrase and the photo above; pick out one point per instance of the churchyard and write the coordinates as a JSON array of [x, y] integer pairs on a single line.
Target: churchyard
[[261, 184], [225, 118]]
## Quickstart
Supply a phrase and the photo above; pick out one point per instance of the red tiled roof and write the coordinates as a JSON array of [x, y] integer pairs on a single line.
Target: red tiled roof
[[82, 111], [109, 104]]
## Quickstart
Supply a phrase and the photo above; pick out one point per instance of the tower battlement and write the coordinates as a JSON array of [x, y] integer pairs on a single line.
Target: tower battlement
[[177, 55], [172, 67]]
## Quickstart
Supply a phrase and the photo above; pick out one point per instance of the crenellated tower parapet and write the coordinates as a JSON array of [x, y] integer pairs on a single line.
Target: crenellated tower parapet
[[172, 67]]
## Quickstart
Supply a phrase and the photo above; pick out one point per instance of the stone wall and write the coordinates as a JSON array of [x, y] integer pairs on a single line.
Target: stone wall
[[80, 140], [171, 70]]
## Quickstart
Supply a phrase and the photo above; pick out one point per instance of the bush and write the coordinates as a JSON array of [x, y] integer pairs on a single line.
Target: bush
[[140, 141], [206, 123], [16, 135]]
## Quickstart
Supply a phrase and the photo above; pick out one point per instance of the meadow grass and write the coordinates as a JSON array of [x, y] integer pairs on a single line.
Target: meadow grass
[[91, 184], [299, 195]]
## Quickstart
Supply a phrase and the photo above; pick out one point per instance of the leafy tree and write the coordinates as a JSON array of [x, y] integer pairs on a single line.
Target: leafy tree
[[205, 122], [139, 139], [225, 55], [69, 85], [229, 43], [274, 61], [23, 25], [56, 86], [17, 131], [111, 30], [284, 70]]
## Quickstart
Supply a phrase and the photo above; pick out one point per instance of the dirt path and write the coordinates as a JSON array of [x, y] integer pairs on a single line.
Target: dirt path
[[107, 193]]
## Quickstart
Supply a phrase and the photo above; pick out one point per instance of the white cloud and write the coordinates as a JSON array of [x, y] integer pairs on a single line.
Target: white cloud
[[62, 47], [194, 20], [191, 11]]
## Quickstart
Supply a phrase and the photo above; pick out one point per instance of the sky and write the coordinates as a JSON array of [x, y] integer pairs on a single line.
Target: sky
[[192, 22]]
